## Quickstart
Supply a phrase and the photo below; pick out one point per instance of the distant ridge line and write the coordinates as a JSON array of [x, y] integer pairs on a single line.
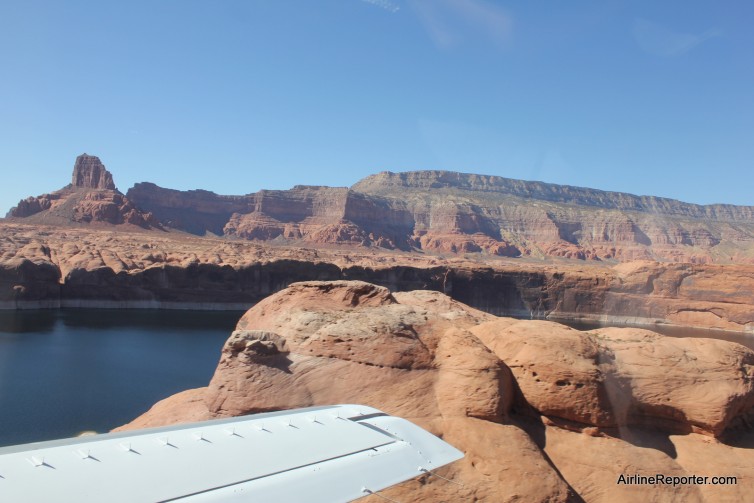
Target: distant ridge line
[[386, 182]]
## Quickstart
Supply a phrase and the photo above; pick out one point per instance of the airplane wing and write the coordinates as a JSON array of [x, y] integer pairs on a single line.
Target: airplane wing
[[317, 454]]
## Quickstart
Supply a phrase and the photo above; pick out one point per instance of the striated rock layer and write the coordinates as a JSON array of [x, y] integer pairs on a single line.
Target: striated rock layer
[[91, 198], [446, 212], [444, 231], [431, 211], [543, 413], [48, 266], [90, 173]]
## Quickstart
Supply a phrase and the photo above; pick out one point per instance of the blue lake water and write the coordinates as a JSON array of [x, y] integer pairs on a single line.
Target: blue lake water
[[71, 370]]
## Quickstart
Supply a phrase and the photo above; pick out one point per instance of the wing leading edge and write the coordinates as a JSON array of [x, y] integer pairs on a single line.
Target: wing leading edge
[[318, 454]]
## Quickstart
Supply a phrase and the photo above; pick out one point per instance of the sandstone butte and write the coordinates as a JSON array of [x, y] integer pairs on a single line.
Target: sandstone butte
[[543, 412], [504, 246], [90, 198]]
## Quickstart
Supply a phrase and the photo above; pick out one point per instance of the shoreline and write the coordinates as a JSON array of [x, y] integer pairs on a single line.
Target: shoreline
[[600, 320], [30, 305]]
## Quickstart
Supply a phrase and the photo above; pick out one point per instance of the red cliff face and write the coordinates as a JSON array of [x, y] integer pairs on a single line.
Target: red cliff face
[[90, 173], [447, 212], [32, 205], [131, 267], [434, 211], [90, 199], [541, 219]]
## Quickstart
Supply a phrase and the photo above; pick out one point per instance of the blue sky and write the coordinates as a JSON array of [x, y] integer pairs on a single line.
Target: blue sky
[[234, 96]]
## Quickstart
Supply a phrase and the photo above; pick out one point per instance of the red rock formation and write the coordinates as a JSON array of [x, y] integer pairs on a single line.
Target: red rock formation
[[416, 355], [435, 211], [32, 205], [90, 173], [91, 198], [612, 378], [449, 212], [320, 215], [321, 342], [96, 265]]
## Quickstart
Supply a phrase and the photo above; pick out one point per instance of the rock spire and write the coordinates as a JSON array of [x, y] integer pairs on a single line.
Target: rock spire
[[90, 173]]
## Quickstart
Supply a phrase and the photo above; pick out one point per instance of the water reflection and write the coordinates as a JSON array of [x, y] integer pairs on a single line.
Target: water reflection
[[19, 322], [64, 371]]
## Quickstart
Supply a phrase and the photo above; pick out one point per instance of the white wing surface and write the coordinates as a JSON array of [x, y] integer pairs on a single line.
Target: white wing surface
[[319, 454]]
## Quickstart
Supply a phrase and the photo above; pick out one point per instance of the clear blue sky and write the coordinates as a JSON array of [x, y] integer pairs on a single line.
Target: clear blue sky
[[233, 96]]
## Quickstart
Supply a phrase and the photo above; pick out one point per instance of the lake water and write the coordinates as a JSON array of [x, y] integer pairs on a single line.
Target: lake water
[[72, 370]]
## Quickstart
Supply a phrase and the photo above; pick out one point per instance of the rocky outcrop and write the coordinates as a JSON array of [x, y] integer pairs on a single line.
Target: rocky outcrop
[[34, 280], [542, 412], [196, 211], [306, 214], [309, 214], [455, 213], [91, 198], [541, 219], [593, 465], [90, 173], [432, 211], [98, 267], [613, 378], [333, 341], [32, 205]]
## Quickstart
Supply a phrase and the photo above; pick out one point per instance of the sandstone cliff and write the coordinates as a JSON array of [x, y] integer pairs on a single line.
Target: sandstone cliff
[[307, 214], [543, 413], [195, 211], [91, 198], [90, 173], [428, 211], [50, 266], [546, 219], [447, 212], [501, 245]]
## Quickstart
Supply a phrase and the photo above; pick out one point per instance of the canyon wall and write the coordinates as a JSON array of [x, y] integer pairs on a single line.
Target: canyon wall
[[427, 211], [505, 246], [448, 212], [87, 267]]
